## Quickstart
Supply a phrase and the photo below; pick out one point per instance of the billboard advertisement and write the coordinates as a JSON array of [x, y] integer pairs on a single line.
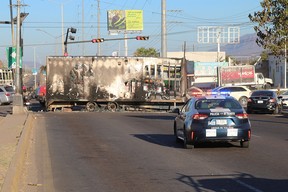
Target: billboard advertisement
[[237, 74], [124, 20], [204, 68]]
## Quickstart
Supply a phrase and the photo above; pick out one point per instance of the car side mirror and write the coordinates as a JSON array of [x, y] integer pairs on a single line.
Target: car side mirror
[[176, 110]]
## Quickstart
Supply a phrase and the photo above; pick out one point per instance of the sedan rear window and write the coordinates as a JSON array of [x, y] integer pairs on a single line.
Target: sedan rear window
[[217, 103], [262, 93]]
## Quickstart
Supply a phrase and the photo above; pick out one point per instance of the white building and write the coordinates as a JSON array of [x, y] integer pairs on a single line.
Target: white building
[[276, 70]]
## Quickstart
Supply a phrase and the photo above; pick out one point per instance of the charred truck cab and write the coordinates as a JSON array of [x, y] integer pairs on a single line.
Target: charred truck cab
[[114, 83]]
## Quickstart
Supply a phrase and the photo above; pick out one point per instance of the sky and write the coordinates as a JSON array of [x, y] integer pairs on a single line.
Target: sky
[[45, 26]]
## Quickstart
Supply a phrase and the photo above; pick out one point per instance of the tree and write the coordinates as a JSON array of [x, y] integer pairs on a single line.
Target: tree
[[143, 52], [272, 26]]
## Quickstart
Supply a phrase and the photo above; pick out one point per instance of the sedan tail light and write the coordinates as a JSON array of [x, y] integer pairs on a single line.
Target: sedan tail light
[[242, 115], [8, 94], [199, 116]]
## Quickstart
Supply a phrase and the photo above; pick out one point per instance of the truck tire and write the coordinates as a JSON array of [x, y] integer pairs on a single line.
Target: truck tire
[[112, 106], [91, 106], [267, 86]]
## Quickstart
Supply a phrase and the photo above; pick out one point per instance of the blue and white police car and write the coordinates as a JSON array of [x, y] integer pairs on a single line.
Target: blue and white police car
[[212, 118]]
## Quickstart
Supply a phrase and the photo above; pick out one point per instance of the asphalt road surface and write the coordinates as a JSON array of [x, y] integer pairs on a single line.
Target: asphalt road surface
[[127, 152]]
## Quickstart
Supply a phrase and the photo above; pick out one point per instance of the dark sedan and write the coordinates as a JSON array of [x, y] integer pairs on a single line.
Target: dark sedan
[[264, 101], [212, 119]]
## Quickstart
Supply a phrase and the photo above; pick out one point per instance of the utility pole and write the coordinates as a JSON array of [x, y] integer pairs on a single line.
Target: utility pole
[[163, 31], [98, 28], [285, 65], [83, 31], [12, 24], [62, 28], [18, 98]]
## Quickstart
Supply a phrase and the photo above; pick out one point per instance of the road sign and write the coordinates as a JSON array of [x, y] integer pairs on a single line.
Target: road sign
[[34, 71], [11, 57]]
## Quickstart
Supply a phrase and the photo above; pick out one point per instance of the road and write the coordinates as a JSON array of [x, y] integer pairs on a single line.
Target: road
[[102, 151]]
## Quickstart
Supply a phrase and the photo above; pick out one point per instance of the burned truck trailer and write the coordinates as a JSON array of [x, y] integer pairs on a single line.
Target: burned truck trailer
[[113, 83]]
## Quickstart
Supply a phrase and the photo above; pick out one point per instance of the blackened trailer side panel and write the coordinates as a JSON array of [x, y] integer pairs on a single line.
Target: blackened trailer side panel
[[94, 78]]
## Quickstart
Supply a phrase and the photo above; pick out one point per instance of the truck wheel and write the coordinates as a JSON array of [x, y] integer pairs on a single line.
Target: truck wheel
[[91, 106], [243, 101], [267, 86], [112, 106]]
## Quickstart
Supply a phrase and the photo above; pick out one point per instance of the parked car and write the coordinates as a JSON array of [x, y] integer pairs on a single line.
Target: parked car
[[241, 93], [264, 101], [6, 94], [212, 118]]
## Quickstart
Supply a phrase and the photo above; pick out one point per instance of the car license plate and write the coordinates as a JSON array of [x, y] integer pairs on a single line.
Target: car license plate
[[221, 122], [232, 132], [260, 101], [210, 132]]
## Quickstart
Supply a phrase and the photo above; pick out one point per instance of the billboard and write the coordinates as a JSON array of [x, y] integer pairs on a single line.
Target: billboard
[[204, 68], [237, 74], [125, 20]]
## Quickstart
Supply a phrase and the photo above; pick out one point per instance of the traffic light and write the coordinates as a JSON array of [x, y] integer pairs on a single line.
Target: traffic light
[[98, 40], [142, 38]]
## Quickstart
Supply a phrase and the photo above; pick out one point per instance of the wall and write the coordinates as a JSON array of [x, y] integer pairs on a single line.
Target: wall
[[276, 70]]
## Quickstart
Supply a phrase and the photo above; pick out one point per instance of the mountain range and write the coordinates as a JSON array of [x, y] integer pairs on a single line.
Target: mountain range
[[246, 47]]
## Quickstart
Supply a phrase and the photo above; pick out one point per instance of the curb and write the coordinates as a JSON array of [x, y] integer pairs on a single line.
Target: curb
[[13, 176]]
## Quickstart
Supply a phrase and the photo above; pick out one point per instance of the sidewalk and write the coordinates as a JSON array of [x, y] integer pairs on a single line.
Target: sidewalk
[[12, 147]]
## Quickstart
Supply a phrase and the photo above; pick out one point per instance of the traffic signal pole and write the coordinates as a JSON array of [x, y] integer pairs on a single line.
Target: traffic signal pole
[[18, 98]]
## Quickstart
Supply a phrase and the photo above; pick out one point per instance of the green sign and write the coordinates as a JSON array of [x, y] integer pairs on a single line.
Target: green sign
[[12, 57]]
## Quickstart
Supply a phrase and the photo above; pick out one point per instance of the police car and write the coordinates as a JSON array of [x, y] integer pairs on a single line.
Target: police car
[[212, 118]]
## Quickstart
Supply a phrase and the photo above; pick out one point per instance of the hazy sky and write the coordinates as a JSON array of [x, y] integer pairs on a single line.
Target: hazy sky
[[42, 29]]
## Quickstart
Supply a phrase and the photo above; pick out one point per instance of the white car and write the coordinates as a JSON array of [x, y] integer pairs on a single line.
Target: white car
[[6, 94], [241, 93]]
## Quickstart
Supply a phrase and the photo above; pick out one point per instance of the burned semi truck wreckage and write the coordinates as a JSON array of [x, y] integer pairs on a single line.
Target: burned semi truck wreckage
[[114, 83]]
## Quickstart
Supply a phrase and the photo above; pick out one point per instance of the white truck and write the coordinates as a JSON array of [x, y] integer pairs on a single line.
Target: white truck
[[203, 74], [243, 75]]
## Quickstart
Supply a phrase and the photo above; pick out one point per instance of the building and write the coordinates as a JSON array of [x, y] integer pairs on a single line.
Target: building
[[276, 70], [199, 56]]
